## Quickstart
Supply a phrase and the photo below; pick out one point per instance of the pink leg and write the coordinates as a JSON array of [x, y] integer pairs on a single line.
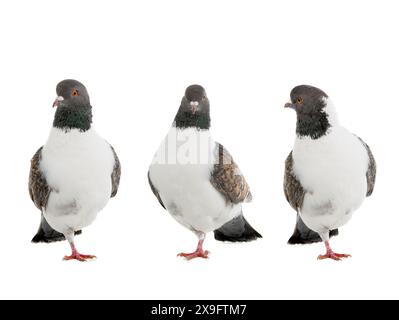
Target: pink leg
[[199, 253], [331, 254], [78, 256]]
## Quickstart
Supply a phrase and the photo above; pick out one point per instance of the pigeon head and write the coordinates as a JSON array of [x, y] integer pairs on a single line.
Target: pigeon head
[[194, 109], [73, 106], [310, 104], [71, 93]]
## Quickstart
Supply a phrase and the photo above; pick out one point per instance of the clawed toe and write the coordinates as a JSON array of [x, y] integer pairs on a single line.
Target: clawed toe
[[332, 255], [196, 254], [79, 257]]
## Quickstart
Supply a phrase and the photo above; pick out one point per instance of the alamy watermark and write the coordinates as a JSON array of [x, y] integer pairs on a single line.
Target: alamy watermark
[[186, 148]]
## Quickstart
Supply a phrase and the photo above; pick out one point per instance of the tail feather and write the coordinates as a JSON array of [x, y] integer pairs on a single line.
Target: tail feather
[[47, 234], [237, 230], [303, 235]]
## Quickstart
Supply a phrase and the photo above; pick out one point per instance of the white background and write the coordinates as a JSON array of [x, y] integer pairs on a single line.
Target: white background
[[136, 59]]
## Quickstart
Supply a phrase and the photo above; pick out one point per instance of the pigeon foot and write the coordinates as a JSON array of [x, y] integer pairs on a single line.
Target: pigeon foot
[[80, 257], [197, 254], [331, 254]]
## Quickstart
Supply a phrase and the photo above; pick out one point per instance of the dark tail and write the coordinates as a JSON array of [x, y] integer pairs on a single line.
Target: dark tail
[[236, 230], [303, 235], [47, 234]]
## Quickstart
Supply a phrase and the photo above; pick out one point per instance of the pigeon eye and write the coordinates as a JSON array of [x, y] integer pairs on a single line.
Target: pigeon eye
[[299, 100], [75, 93]]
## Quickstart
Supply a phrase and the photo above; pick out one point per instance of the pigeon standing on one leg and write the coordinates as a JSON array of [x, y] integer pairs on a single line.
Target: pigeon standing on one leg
[[329, 172], [75, 173], [199, 183]]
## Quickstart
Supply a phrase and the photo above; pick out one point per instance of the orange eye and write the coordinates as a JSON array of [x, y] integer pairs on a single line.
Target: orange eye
[[75, 93], [299, 100]]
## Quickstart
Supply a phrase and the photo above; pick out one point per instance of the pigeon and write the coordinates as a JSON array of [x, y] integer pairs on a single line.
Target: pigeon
[[196, 179], [329, 172], [75, 173]]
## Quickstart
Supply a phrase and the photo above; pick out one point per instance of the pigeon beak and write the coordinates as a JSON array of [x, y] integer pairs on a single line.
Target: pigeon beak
[[289, 105], [194, 106], [57, 101]]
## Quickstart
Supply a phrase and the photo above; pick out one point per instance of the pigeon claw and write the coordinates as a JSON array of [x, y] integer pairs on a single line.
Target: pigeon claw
[[197, 254], [79, 257], [334, 256]]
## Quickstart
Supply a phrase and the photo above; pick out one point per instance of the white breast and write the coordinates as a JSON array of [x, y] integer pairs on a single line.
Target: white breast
[[181, 171], [332, 169], [78, 167]]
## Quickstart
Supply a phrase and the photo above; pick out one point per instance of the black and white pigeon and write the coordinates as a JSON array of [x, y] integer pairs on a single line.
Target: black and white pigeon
[[329, 172], [75, 173], [196, 179]]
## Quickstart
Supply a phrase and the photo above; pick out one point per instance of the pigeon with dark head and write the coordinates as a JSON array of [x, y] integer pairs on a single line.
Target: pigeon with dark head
[[196, 179], [75, 173], [329, 172]]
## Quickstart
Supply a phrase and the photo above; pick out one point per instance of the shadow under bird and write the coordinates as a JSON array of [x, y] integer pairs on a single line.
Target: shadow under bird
[[75, 173], [329, 172], [197, 180]]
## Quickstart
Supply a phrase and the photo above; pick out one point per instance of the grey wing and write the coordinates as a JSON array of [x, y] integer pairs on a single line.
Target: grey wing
[[371, 170], [227, 178], [155, 191], [39, 190], [293, 189], [116, 174]]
